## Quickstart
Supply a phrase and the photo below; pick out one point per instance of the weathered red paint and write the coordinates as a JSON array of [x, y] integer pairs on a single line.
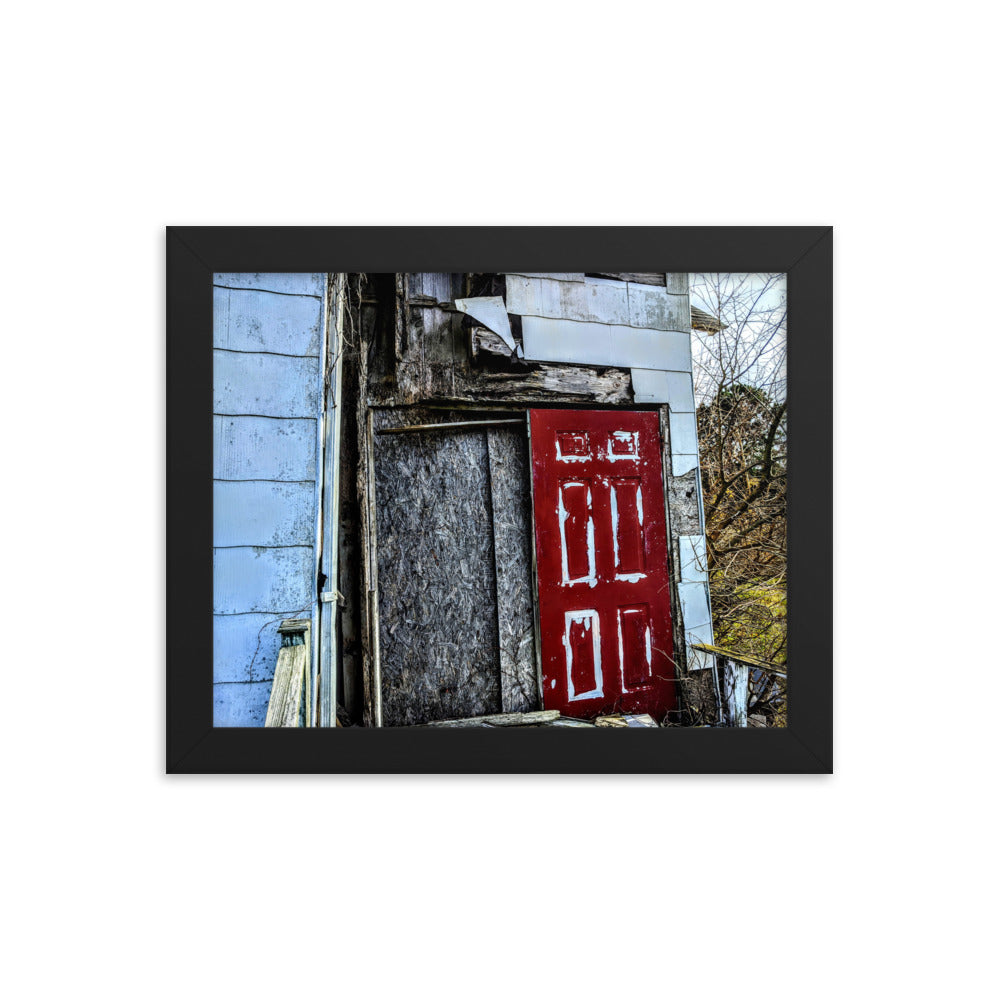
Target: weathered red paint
[[601, 554]]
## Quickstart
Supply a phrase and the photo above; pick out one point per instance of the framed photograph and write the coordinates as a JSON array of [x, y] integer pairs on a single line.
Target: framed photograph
[[426, 514]]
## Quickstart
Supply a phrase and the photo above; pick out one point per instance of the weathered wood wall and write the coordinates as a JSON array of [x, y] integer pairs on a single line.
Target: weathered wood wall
[[268, 334]]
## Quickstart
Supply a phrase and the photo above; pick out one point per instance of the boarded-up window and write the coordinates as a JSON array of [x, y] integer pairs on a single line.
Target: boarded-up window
[[454, 573]]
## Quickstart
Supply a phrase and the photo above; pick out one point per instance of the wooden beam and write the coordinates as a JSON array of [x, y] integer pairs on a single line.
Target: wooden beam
[[749, 661], [504, 719], [454, 425]]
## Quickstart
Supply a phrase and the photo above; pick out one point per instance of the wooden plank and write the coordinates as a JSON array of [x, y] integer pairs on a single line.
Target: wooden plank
[[628, 721], [265, 385], [289, 704], [247, 320], [285, 703], [263, 513], [499, 720], [264, 448], [449, 426], [511, 511], [255, 579], [744, 658], [543, 383]]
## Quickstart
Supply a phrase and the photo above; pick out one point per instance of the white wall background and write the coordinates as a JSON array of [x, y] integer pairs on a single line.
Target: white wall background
[[121, 882]]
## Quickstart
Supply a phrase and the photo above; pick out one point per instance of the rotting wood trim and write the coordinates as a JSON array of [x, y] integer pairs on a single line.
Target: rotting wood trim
[[746, 660], [503, 719]]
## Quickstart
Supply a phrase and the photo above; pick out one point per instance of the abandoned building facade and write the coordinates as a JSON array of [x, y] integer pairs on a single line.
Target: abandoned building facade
[[458, 495]]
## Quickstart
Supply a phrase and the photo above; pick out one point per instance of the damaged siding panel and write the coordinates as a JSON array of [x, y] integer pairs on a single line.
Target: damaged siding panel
[[683, 433], [653, 308], [313, 284], [574, 342], [266, 385], [650, 385], [564, 340], [254, 578], [683, 464], [437, 607], [664, 350], [694, 559], [587, 302], [680, 392], [694, 605], [264, 448], [246, 320], [262, 513]]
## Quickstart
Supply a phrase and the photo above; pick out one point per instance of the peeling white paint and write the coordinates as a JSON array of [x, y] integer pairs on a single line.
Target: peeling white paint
[[630, 441], [587, 618], [591, 578], [622, 613], [573, 458]]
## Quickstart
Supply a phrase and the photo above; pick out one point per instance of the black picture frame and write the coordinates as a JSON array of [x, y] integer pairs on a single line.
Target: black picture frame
[[194, 253]]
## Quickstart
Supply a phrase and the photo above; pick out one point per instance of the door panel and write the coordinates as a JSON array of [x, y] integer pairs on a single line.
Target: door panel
[[601, 556]]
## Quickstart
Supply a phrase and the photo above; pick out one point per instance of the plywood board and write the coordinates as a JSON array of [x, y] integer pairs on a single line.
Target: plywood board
[[438, 640]]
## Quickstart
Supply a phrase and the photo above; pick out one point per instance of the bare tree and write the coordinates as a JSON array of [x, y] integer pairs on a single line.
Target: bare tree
[[739, 337]]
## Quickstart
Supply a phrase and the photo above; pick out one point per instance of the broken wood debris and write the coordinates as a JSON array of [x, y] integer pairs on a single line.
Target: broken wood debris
[[548, 718]]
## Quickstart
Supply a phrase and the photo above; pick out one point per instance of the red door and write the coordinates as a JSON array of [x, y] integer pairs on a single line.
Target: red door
[[601, 555]]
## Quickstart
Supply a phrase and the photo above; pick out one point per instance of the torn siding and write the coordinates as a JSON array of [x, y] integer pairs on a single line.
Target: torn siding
[[267, 336]]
